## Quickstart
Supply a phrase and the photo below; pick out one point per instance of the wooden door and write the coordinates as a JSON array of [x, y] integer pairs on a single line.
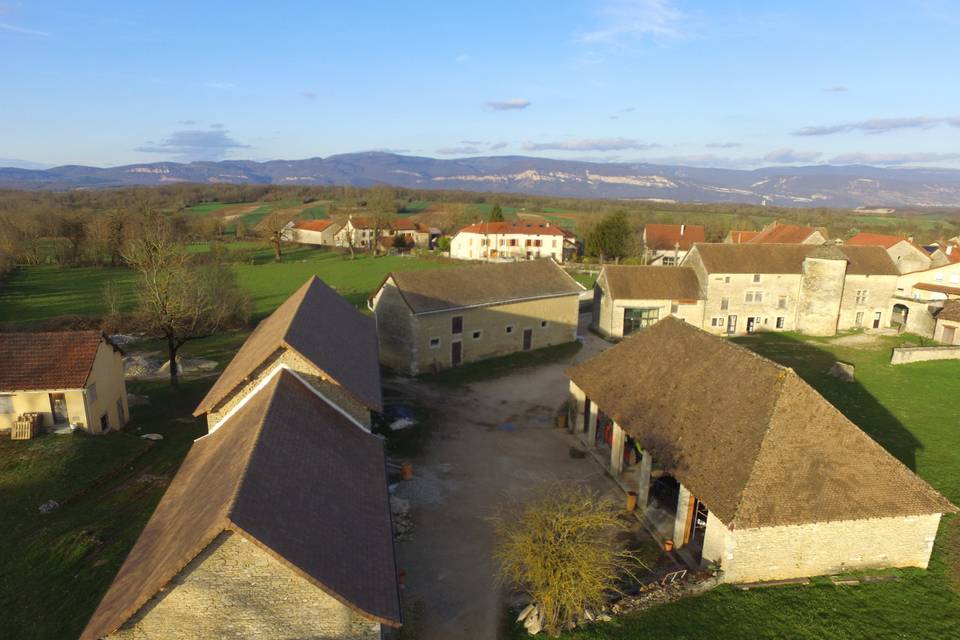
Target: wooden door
[[456, 353], [876, 320], [58, 406], [527, 339], [750, 325], [949, 335], [731, 324]]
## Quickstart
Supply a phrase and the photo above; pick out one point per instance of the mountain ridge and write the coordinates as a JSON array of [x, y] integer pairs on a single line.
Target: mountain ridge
[[805, 186]]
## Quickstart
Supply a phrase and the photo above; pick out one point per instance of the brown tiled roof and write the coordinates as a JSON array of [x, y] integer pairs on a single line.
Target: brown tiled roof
[[434, 290], [747, 436], [322, 327], [41, 361], [950, 311], [738, 237], [291, 473], [875, 239], [938, 288], [528, 228], [651, 283], [663, 237], [313, 225], [778, 233], [788, 258]]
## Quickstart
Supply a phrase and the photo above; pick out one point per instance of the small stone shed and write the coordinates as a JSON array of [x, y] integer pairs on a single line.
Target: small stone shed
[[772, 481], [629, 298], [947, 330], [65, 377], [316, 333], [440, 318], [277, 525]]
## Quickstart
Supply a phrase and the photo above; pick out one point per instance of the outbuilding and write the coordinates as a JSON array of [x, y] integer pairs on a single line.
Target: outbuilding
[[629, 298]]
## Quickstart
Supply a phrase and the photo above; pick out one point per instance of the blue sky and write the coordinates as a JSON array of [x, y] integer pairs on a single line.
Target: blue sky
[[730, 84]]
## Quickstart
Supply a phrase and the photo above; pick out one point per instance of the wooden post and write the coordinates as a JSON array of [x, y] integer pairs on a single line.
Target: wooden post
[[616, 450]]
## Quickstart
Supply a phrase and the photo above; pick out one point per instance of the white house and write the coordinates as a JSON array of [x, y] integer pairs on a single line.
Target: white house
[[504, 241]]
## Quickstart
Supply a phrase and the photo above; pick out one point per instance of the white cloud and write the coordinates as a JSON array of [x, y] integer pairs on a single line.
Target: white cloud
[[878, 125], [463, 57], [589, 144], [507, 105], [624, 20], [458, 151], [893, 158], [723, 145], [213, 144], [498, 146], [836, 89], [789, 156], [6, 26]]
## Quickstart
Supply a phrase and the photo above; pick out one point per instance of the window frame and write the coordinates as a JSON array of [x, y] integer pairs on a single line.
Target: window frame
[[456, 325], [434, 342], [6, 399], [477, 334]]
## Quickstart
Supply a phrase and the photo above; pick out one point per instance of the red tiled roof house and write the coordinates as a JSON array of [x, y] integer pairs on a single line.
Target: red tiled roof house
[[667, 244]]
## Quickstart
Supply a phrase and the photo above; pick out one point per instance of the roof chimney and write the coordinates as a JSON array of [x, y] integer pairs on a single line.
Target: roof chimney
[[683, 228]]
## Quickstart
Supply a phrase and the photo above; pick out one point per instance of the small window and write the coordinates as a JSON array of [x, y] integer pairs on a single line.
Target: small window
[[476, 335], [92, 392], [456, 325], [509, 328], [780, 320], [434, 343], [859, 320], [726, 279], [861, 296], [724, 304], [782, 302], [543, 324], [755, 297], [674, 308], [717, 322], [6, 404], [756, 277]]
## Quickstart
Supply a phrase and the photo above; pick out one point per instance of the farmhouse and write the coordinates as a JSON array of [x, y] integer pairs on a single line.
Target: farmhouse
[[359, 232], [814, 289], [318, 335], [276, 526], [667, 244], [743, 465], [62, 378], [780, 233], [628, 298], [905, 253], [315, 232], [505, 241], [435, 319]]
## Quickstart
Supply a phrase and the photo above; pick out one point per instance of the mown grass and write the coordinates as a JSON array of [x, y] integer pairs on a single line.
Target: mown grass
[[911, 410]]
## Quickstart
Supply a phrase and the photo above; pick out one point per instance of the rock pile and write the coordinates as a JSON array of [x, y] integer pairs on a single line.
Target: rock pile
[[402, 522]]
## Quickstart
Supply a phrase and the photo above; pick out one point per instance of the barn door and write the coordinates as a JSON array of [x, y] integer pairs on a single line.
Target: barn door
[[527, 339]]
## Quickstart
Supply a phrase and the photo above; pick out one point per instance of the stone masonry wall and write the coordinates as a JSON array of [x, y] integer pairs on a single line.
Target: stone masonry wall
[[236, 590], [821, 292], [879, 291], [775, 553], [906, 355], [395, 329]]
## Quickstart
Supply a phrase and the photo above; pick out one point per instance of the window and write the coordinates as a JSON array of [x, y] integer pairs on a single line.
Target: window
[[476, 335], [674, 308], [509, 328], [724, 304], [6, 404], [718, 321], [756, 277], [754, 297], [513, 242], [668, 261], [859, 320], [861, 296], [456, 325], [543, 324], [92, 392], [434, 343], [634, 319], [782, 302], [780, 320], [726, 279]]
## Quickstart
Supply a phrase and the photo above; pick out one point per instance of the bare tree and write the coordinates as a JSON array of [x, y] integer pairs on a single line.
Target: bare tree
[[178, 300], [382, 205], [275, 229]]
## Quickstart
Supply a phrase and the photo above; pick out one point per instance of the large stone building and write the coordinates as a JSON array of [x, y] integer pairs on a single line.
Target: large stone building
[[66, 378], [905, 253], [628, 298], [814, 289], [510, 241], [667, 244], [439, 318], [743, 465], [781, 233]]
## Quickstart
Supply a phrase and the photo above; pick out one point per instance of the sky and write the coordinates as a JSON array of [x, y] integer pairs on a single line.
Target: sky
[[724, 84]]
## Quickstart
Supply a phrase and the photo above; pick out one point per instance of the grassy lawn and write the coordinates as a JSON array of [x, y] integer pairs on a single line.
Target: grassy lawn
[[504, 365], [32, 294], [911, 410], [54, 568]]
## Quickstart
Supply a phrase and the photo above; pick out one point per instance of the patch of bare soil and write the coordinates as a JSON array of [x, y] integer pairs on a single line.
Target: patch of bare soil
[[857, 341]]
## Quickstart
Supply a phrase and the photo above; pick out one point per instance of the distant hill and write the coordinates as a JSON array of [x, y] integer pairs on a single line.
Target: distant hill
[[821, 185]]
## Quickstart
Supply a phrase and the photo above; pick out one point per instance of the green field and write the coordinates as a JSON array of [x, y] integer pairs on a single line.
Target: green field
[[911, 410], [39, 293], [206, 208]]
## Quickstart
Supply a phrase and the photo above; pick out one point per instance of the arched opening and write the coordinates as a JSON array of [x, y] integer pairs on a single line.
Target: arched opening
[[898, 318]]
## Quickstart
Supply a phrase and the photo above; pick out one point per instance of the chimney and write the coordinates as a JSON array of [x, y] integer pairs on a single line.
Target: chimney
[[683, 228]]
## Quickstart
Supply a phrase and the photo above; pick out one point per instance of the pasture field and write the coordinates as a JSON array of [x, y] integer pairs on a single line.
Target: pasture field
[[906, 409]]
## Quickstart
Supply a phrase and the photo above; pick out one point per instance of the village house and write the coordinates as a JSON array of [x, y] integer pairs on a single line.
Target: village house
[[667, 244], [510, 241], [920, 295], [813, 289], [629, 298], [434, 319], [742, 465], [277, 524], [905, 253], [60, 379], [359, 233], [739, 237], [319, 336], [314, 232], [780, 233], [947, 330]]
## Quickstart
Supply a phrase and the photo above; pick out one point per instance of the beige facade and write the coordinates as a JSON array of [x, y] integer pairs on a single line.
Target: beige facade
[[947, 332], [326, 237], [361, 235], [420, 343], [737, 302], [97, 407], [506, 246], [610, 315], [866, 302], [909, 257], [234, 589], [948, 275]]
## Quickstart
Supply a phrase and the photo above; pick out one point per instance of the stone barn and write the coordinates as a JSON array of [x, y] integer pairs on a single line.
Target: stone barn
[[441, 318], [629, 298], [743, 465]]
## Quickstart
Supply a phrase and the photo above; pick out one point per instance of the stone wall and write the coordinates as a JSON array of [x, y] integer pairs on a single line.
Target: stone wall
[[879, 290], [776, 553], [780, 293], [905, 355], [395, 330], [821, 292], [234, 589]]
